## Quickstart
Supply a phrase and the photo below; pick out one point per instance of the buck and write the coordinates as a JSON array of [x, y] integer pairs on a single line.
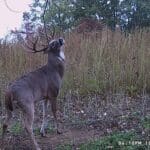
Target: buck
[[42, 84]]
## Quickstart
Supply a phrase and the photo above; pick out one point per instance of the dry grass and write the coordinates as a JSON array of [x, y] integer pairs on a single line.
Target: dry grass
[[96, 62], [108, 61]]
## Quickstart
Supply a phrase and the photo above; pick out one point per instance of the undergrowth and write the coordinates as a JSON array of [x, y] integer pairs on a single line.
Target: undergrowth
[[115, 141]]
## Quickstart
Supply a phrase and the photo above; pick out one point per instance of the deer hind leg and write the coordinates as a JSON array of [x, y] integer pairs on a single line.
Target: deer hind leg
[[44, 121], [7, 121], [9, 109], [5, 125], [54, 111], [28, 115]]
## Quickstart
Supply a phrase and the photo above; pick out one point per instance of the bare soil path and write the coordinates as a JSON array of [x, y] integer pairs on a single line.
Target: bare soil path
[[73, 137]]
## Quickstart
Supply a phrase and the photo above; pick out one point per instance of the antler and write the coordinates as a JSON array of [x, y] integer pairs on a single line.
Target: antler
[[39, 36], [32, 42], [35, 41], [34, 49], [42, 39], [52, 31], [48, 32]]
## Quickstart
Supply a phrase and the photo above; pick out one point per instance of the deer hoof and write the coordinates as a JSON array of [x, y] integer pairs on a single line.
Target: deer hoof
[[59, 132], [43, 135]]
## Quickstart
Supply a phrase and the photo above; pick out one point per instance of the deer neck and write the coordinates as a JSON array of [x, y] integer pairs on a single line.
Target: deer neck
[[57, 63], [61, 55], [57, 55]]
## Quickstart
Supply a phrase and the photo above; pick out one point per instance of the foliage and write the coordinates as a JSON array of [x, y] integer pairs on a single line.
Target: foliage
[[135, 13], [127, 14], [146, 122], [60, 15], [16, 128]]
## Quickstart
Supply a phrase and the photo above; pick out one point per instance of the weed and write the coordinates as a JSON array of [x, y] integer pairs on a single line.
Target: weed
[[115, 141], [146, 122], [16, 128], [64, 147]]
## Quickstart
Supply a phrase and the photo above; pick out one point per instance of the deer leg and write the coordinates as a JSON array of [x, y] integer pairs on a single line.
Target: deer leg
[[5, 125], [6, 122], [28, 121], [44, 122], [54, 111]]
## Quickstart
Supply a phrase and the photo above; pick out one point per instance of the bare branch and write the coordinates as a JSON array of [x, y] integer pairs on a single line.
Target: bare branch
[[35, 41]]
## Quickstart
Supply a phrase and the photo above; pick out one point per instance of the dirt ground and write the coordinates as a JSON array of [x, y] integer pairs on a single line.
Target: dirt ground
[[71, 136], [119, 114]]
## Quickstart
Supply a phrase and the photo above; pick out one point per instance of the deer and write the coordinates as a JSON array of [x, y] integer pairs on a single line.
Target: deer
[[42, 84]]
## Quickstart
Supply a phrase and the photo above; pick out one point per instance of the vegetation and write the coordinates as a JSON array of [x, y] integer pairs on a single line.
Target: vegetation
[[121, 141], [96, 62], [127, 14]]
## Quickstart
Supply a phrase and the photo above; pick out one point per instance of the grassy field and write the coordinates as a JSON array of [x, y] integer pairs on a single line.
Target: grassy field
[[97, 62], [115, 141]]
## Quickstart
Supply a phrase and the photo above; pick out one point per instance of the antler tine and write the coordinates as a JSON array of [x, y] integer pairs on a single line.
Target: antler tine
[[48, 33], [33, 47], [35, 44], [27, 46], [31, 41], [52, 32]]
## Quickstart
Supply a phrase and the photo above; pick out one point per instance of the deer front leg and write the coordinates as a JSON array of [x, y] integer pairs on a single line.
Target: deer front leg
[[44, 121], [54, 111]]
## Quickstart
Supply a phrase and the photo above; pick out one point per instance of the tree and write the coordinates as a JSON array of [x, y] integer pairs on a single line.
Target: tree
[[85, 9], [109, 12], [59, 14], [135, 13], [65, 14]]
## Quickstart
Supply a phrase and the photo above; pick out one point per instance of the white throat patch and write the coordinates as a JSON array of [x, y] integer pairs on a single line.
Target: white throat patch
[[61, 55]]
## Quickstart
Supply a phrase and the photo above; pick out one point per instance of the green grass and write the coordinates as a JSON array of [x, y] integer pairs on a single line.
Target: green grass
[[115, 141], [16, 128], [146, 122], [64, 147], [49, 130]]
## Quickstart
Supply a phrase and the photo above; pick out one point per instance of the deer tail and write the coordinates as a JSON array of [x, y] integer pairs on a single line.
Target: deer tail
[[8, 101]]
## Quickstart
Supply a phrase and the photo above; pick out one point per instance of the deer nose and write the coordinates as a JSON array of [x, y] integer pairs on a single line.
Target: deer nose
[[61, 41]]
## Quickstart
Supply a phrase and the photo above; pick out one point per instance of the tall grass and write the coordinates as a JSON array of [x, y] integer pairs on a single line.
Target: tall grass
[[96, 62], [108, 61]]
